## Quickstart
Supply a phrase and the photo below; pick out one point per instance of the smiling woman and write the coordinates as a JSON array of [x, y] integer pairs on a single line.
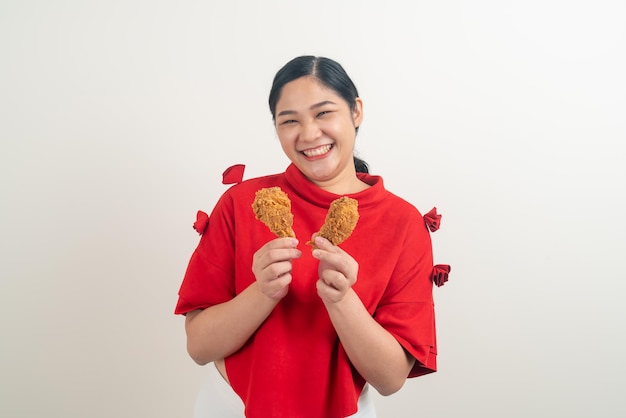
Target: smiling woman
[[330, 76], [296, 331], [317, 131]]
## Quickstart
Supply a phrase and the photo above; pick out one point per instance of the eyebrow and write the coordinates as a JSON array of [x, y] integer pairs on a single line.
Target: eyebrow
[[315, 106]]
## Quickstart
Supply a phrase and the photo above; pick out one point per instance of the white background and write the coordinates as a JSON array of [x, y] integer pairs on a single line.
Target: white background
[[117, 119]]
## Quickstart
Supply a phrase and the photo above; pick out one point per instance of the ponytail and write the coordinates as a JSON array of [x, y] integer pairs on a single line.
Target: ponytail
[[361, 166]]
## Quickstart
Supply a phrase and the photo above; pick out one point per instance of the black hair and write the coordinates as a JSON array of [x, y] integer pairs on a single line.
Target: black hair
[[328, 72]]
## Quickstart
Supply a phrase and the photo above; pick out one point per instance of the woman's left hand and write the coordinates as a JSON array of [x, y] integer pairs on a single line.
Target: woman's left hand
[[365, 341], [337, 271]]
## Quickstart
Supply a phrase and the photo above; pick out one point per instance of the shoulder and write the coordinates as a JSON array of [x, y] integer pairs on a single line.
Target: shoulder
[[399, 208], [402, 205], [379, 197], [400, 215]]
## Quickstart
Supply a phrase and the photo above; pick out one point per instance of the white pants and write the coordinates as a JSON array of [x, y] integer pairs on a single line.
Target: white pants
[[216, 399]]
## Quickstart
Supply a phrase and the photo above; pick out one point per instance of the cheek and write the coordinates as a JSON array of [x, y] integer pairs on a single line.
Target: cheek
[[342, 132], [286, 139], [343, 126]]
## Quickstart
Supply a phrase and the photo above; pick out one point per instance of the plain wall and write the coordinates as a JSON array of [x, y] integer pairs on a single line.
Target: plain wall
[[117, 119]]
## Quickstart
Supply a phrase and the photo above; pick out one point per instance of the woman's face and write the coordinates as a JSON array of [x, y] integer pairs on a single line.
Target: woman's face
[[316, 129]]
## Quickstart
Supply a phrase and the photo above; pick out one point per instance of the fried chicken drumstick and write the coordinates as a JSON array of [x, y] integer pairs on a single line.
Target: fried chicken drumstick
[[341, 219], [272, 207]]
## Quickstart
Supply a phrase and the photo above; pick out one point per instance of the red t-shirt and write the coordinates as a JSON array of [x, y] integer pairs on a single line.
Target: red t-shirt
[[294, 365]]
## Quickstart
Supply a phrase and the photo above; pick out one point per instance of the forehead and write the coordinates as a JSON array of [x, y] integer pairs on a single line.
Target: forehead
[[304, 92]]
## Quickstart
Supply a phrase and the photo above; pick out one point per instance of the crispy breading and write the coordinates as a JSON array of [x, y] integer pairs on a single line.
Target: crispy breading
[[272, 207], [341, 220]]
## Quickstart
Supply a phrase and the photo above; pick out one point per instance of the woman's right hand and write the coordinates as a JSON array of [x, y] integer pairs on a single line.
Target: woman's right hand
[[271, 266], [221, 329]]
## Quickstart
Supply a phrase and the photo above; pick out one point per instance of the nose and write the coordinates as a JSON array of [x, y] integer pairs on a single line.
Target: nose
[[310, 131]]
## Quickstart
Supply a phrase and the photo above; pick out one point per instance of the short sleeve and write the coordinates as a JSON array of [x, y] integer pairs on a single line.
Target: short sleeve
[[406, 309], [209, 278]]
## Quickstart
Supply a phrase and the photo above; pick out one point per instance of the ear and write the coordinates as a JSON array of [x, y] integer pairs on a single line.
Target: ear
[[357, 113]]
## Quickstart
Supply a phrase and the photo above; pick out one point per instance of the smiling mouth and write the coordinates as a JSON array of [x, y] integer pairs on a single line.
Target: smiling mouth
[[316, 152]]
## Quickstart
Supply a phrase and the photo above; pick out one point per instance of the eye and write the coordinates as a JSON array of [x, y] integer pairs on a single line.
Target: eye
[[323, 112], [288, 122]]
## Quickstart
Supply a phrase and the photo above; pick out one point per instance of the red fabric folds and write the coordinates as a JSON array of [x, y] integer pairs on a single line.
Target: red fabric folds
[[310, 374], [202, 221], [233, 174], [433, 220], [440, 274]]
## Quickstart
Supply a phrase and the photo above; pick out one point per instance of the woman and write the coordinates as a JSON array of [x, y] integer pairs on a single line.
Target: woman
[[302, 332]]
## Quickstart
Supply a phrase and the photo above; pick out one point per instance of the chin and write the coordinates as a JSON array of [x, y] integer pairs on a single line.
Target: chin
[[321, 177]]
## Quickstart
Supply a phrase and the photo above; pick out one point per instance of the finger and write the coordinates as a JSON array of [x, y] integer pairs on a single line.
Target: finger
[[265, 257], [280, 254], [328, 293], [274, 247], [286, 242], [276, 270], [281, 281], [323, 244], [334, 279], [336, 259], [278, 287]]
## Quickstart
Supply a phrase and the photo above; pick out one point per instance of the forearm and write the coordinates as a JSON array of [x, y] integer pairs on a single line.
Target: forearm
[[221, 330], [373, 351]]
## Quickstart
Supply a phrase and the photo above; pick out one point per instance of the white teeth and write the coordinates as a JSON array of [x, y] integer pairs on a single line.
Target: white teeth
[[317, 151]]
